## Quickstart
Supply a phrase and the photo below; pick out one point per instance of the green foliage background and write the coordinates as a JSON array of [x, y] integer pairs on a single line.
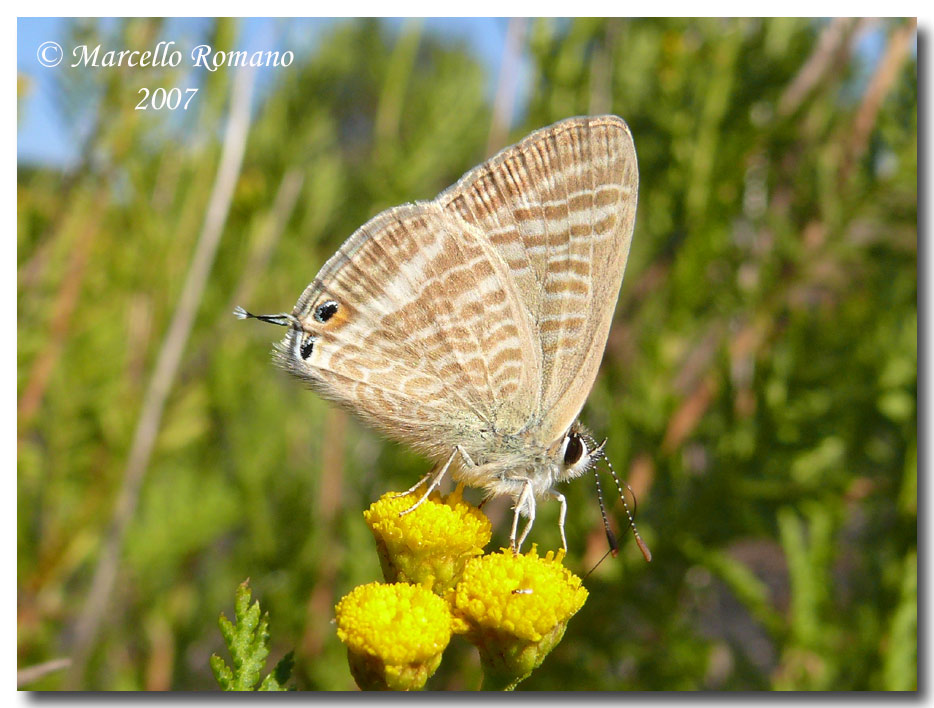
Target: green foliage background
[[759, 388]]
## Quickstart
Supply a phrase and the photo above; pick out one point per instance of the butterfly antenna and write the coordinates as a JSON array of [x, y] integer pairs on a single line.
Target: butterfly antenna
[[646, 553], [283, 319], [610, 536]]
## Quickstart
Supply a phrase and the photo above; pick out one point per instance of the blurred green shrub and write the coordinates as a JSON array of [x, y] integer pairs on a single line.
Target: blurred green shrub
[[759, 386]]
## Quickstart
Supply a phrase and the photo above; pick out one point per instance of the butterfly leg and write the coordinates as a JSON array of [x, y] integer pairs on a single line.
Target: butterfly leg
[[525, 500], [415, 486], [433, 485], [562, 514]]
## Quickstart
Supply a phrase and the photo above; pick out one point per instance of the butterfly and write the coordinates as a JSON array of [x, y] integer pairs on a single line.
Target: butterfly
[[472, 326]]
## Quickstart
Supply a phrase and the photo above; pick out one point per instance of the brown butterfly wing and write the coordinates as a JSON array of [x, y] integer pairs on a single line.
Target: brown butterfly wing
[[429, 342], [559, 207]]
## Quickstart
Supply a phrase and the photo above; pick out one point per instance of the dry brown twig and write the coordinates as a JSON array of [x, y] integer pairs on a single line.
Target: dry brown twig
[[33, 673], [267, 236], [62, 310], [879, 86], [831, 44]]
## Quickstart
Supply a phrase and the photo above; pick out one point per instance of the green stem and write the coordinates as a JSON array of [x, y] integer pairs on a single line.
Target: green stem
[[498, 681]]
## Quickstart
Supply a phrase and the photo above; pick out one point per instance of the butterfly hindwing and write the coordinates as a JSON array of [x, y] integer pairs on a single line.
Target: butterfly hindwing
[[427, 340]]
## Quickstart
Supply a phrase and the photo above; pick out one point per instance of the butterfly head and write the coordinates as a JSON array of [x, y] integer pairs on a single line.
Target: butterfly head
[[578, 452]]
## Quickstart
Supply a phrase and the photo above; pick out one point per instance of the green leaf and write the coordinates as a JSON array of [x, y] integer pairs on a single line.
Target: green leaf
[[277, 679], [247, 641]]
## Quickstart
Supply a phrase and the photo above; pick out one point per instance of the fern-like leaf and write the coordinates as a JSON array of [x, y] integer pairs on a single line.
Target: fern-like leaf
[[247, 640]]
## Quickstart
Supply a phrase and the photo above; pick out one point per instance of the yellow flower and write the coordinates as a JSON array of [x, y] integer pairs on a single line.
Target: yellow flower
[[432, 544], [395, 634], [515, 609]]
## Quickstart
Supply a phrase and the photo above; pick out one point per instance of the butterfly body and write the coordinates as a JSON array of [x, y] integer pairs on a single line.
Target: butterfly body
[[506, 463], [471, 326]]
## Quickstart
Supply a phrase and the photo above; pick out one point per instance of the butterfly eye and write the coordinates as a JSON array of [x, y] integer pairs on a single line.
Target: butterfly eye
[[307, 346], [325, 311], [574, 449]]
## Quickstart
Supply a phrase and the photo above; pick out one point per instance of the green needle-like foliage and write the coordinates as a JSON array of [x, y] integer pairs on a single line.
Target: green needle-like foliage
[[247, 640], [758, 391]]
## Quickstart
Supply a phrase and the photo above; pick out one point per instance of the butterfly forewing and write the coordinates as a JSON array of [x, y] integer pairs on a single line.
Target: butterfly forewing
[[559, 207]]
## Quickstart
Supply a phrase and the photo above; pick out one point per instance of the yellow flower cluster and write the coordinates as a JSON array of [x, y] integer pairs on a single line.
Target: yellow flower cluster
[[513, 608], [523, 595], [395, 634], [432, 544]]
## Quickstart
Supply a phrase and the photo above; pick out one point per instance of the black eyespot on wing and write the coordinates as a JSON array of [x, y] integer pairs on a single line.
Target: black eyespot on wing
[[325, 311], [307, 347], [574, 450]]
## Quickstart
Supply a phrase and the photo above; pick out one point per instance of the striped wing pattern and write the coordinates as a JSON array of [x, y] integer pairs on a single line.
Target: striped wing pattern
[[560, 208], [487, 309], [429, 341]]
